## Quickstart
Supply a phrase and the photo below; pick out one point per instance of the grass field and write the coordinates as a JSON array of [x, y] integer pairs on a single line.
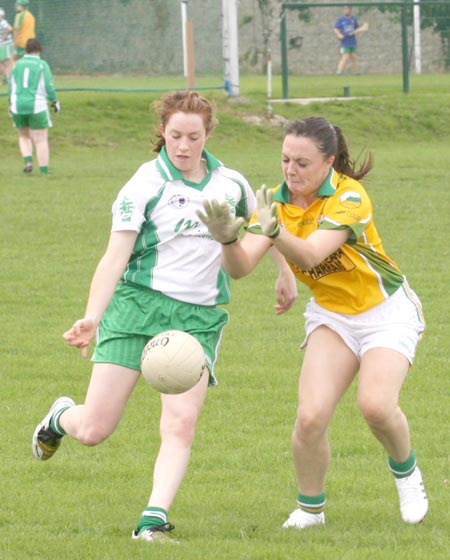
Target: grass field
[[240, 485]]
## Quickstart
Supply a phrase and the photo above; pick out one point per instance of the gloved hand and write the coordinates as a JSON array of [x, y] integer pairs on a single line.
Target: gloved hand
[[220, 223], [56, 106], [267, 212]]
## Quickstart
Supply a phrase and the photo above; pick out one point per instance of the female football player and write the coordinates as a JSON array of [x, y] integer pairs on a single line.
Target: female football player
[[161, 271], [363, 319]]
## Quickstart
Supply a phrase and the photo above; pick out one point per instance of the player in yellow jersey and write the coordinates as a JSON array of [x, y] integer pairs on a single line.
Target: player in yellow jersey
[[363, 318], [24, 27]]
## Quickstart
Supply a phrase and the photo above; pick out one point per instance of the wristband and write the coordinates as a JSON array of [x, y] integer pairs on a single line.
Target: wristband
[[276, 233], [231, 242]]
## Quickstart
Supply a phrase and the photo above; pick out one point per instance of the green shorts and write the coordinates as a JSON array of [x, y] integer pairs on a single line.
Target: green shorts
[[20, 51], [36, 121], [136, 314], [348, 50]]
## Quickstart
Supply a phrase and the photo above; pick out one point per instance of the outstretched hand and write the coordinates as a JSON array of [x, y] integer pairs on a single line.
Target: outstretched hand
[[80, 334], [219, 221], [285, 292], [267, 212]]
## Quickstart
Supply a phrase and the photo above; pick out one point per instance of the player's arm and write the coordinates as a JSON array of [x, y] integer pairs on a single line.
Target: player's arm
[[310, 252], [363, 27], [104, 282], [305, 253], [17, 24], [8, 31], [286, 285], [48, 82], [239, 258], [338, 33], [242, 256]]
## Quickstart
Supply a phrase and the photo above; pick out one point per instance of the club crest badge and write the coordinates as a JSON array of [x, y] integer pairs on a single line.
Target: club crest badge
[[178, 201]]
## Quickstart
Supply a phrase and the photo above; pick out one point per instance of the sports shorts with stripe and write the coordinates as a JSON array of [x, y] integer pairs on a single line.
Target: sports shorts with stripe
[[135, 315], [396, 323]]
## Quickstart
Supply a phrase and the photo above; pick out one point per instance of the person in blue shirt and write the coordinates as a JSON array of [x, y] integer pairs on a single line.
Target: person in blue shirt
[[346, 29]]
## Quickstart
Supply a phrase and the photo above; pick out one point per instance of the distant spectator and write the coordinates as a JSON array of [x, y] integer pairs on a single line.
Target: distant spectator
[[23, 27], [6, 47], [346, 29], [30, 89]]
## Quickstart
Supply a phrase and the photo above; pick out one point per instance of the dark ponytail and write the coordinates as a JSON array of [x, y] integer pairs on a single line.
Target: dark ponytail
[[331, 142], [344, 164]]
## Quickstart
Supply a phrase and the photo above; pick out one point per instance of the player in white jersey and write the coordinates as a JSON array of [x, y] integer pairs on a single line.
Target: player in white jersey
[[161, 270], [6, 47]]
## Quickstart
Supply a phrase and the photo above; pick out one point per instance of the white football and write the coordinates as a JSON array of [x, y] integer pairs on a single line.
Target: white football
[[173, 362]]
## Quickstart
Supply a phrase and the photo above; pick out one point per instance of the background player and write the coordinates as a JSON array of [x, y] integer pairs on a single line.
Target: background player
[[30, 89], [346, 29]]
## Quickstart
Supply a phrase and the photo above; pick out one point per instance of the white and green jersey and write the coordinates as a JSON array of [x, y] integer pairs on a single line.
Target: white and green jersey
[[174, 251], [5, 39], [31, 86]]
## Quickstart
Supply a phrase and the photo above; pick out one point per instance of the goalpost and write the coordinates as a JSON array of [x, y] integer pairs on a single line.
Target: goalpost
[[405, 7], [138, 41], [230, 48]]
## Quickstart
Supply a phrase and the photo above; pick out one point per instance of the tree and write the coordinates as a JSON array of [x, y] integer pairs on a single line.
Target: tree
[[269, 12]]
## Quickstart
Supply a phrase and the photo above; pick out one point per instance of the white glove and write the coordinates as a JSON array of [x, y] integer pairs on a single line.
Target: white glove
[[220, 223], [267, 212], [56, 106]]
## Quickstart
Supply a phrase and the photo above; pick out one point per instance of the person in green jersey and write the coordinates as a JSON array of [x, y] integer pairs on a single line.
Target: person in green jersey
[[30, 90], [363, 319], [161, 271]]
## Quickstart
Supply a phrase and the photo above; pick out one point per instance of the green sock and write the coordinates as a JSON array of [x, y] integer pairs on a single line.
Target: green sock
[[28, 159], [312, 504], [43, 169], [402, 470], [150, 517], [54, 423]]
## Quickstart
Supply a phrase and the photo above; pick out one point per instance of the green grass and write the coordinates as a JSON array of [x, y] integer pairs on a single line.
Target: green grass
[[240, 485]]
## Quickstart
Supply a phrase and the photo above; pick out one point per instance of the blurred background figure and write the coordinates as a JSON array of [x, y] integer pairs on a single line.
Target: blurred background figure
[[28, 105], [346, 29], [24, 26], [6, 47]]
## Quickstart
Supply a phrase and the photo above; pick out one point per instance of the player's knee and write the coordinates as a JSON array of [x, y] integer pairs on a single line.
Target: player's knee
[[92, 434], [374, 411], [181, 428], [310, 424]]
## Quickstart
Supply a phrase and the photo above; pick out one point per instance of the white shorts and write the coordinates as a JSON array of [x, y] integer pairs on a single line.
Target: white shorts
[[397, 323]]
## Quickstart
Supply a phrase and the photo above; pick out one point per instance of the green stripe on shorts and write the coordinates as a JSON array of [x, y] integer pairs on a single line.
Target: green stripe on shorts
[[136, 314]]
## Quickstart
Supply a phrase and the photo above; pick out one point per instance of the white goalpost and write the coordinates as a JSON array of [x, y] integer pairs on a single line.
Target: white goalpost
[[230, 49], [230, 46]]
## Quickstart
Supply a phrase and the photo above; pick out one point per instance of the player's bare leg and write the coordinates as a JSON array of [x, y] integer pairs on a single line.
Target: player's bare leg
[[26, 148], [177, 428], [92, 422], [109, 389], [382, 374], [343, 63], [40, 141], [328, 369]]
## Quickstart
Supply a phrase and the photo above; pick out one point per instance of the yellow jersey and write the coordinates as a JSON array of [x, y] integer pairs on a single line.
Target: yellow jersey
[[359, 275], [24, 24]]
